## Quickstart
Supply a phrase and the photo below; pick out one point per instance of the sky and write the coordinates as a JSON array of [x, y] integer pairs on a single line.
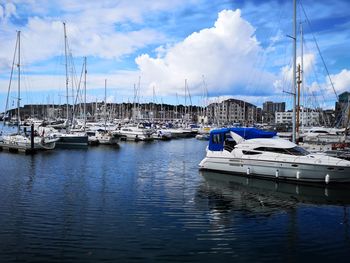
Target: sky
[[161, 51]]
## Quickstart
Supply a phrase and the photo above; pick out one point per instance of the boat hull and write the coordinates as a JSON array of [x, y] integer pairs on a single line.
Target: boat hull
[[278, 170], [72, 141]]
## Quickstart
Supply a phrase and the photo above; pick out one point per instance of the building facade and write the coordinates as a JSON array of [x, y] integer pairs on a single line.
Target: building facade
[[232, 111], [309, 118], [269, 109], [342, 108]]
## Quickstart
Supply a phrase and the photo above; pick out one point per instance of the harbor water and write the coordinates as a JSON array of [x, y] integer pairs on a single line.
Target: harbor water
[[147, 202]]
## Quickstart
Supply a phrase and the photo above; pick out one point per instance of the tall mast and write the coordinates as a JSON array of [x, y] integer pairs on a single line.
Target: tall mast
[[66, 66], [85, 72], [298, 104], [19, 81], [294, 69], [138, 98], [154, 101], [134, 104], [185, 99], [105, 103], [302, 75]]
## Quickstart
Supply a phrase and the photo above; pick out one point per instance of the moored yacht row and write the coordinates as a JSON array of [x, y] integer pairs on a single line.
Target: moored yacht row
[[44, 136]]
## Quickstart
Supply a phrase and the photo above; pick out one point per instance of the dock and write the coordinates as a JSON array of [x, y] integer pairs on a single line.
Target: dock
[[13, 148]]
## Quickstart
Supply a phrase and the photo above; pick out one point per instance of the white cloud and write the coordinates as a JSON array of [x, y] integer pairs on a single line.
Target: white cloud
[[341, 81], [225, 54], [284, 82], [93, 29]]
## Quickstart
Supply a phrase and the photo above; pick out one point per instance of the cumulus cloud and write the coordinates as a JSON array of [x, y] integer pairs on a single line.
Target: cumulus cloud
[[284, 81], [225, 54], [93, 29], [341, 81]]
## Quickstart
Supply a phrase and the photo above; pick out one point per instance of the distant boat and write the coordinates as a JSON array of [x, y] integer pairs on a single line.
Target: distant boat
[[68, 138], [21, 141], [133, 133], [103, 137], [162, 135]]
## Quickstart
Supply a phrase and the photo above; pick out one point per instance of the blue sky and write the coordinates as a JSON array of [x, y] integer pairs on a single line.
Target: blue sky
[[231, 48]]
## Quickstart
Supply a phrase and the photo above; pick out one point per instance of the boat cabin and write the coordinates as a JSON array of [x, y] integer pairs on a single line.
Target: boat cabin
[[221, 138]]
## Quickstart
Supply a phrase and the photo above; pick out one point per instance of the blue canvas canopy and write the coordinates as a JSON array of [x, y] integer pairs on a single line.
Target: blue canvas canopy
[[218, 136]]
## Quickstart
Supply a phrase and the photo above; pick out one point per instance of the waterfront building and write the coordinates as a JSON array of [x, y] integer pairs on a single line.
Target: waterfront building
[[232, 111], [310, 118], [342, 108], [269, 109]]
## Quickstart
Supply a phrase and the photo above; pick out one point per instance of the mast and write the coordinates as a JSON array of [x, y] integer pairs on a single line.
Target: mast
[[19, 81], [138, 98], [66, 66], [154, 101], [105, 113], [185, 99], [298, 104], [177, 103], [134, 104], [302, 76], [85, 72], [294, 70]]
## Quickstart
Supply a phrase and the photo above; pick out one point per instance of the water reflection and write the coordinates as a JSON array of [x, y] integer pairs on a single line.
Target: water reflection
[[266, 195]]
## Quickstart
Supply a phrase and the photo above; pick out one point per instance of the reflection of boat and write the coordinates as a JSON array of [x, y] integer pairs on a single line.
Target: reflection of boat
[[272, 158], [283, 191]]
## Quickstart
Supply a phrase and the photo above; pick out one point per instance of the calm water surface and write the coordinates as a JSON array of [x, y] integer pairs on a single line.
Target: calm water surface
[[147, 202]]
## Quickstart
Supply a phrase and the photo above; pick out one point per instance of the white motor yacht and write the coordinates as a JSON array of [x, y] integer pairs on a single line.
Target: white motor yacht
[[162, 135], [233, 152], [132, 133], [103, 137]]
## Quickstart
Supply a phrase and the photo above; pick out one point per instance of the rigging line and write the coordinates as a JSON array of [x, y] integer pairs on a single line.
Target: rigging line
[[78, 88], [11, 75], [319, 51], [318, 83], [261, 62], [316, 95]]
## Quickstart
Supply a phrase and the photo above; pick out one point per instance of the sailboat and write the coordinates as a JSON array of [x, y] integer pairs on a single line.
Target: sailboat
[[250, 153], [67, 138], [23, 141], [102, 135]]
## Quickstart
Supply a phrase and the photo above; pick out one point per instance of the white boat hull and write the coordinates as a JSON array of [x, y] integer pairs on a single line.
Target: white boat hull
[[278, 169]]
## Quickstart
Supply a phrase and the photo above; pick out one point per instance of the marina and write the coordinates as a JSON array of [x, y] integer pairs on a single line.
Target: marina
[[147, 201], [174, 131]]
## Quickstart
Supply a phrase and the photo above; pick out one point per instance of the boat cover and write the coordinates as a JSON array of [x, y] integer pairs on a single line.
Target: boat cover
[[218, 136]]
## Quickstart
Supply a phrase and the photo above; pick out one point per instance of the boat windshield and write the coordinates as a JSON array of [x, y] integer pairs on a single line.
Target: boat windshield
[[298, 151]]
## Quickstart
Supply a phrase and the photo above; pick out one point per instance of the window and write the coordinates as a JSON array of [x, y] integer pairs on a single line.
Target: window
[[217, 138], [250, 152], [298, 151]]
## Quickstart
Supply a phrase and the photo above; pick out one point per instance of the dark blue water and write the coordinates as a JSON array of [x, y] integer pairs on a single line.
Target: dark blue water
[[147, 202]]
